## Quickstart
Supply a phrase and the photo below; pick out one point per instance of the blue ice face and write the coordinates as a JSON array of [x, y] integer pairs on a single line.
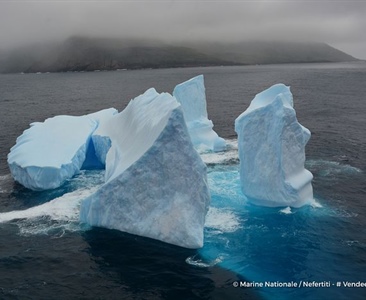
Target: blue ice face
[[156, 182], [271, 146], [191, 95]]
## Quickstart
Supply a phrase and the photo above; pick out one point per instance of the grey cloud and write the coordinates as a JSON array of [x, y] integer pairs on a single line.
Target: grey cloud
[[339, 23]]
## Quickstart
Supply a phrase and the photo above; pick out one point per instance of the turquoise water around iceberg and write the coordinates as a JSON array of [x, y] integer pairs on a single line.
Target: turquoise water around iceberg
[[305, 247]]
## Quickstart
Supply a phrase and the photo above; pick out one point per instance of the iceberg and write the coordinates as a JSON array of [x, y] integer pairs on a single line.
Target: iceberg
[[271, 146], [155, 182], [50, 152], [191, 95]]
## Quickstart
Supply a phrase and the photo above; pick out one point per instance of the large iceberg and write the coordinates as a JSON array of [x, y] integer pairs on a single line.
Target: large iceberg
[[272, 151], [50, 152], [156, 183], [191, 95]]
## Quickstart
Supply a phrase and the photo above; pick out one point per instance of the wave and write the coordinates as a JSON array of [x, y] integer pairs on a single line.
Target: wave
[[327, 168], [200, 263], [5, 183], [64, 208], [5, 177], [54, 217]]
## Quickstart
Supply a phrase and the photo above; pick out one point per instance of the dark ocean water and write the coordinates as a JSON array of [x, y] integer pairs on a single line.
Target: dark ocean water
[[46, 254]]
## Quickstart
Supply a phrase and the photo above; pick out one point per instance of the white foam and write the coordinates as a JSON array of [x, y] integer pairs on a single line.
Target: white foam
[[197, 262], [46, 226], [64, 208], [220, 157], [286, 210], [352, 243], [222, 220], [316, 204]]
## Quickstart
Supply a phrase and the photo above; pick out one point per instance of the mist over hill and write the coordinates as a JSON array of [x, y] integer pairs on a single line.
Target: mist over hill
[[275, 52], [89, 54]]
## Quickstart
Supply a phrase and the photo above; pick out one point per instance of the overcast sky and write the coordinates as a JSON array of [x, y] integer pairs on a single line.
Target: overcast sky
[[341, 24]]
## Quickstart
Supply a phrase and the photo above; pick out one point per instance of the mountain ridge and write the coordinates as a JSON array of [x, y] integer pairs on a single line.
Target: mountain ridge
[[80, 53]]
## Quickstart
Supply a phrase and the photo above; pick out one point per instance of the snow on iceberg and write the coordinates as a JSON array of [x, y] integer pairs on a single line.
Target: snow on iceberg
[[191, 95], [271, 146], [156, 183], [50, 152]]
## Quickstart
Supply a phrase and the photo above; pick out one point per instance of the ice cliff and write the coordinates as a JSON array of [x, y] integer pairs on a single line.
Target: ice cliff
[[156, 182], [271, 146], [191, 94]]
